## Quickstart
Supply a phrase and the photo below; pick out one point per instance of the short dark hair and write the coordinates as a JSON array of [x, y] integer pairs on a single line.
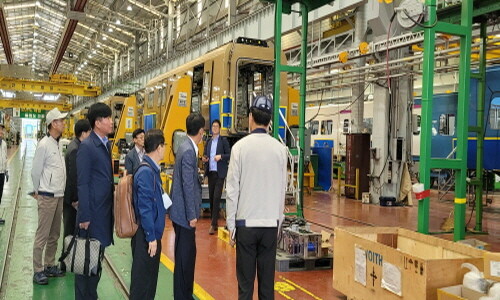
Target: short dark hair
[[217, 121], [81, 126], [194, 122], [153, 139], [137, 132], [98, 111], [260, 117]]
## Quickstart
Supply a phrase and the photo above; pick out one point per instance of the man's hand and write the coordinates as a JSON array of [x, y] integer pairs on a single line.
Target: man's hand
[[75, 205], [84, 225], [232, 238], [204, 159], [152, 248], [217, 157], [192, 223]]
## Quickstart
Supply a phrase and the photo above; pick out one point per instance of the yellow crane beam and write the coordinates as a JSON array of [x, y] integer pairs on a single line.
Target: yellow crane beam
[[53, 87], [35, 105]]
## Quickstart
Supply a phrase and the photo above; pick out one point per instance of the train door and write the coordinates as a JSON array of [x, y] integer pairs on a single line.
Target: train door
[[206, 95]]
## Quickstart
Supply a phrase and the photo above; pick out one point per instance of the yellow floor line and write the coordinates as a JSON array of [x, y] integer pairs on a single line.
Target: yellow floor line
[[300, 288], [198, 290], [285, 296], [12, 155]]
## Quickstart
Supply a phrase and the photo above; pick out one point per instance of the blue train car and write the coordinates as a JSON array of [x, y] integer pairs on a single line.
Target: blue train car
[[444, 122]]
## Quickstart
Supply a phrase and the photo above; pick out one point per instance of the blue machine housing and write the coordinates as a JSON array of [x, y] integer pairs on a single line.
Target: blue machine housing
[[445, 105]]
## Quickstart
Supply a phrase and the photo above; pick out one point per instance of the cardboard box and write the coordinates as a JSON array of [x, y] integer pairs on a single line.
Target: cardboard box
[[458, 292], [492, 266], [476, 244], [392, 263]]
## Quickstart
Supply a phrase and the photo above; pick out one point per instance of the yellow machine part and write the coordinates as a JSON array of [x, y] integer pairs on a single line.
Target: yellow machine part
[[293, 106], [178, 108], [127, 123]]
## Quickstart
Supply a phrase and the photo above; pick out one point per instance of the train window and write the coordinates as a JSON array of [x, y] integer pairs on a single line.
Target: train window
[[416, 120], [254, 78], [150, 100], [314, 127], [163, 97], [345, 128], [495, 113], [197, 88], [326, 127], [447, 124]]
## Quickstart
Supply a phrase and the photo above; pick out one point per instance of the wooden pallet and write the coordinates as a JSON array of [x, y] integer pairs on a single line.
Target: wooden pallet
[[288, 263]]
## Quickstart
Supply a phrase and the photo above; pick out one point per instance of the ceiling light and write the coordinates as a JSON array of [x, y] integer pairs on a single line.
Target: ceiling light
[[94, 52], [118, 22], [110, 29], [98, 45], [104, 38], [37, 3], [35, 34], [85, 63], [76, 73], [129, 7]]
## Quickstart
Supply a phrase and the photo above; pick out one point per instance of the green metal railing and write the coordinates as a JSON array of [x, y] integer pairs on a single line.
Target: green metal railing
[[459, 164], [285, 6]]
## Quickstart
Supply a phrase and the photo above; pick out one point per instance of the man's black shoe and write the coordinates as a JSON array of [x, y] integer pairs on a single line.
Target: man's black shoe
[[40, 278], [2, 221], [53, 271]]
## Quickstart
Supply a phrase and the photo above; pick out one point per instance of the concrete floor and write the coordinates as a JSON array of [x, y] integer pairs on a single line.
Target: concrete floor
[[215, 268]]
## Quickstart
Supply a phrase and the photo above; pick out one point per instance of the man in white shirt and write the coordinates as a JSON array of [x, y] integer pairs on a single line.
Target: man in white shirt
[[3, 165], [49, 181], [255, 198]]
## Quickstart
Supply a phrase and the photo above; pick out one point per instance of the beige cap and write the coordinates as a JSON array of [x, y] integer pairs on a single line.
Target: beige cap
[[54, 114]]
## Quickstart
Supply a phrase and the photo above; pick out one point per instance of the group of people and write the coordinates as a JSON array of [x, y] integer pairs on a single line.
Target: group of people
[[80, 187]]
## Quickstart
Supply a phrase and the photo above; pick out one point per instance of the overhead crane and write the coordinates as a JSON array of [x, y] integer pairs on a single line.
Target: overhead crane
[[58, 84], [35, 105]]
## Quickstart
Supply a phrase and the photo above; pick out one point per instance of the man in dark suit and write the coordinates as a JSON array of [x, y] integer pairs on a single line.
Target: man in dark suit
[[136, 154], [95, 190], [70, 204], [186, 204], [216, 159]]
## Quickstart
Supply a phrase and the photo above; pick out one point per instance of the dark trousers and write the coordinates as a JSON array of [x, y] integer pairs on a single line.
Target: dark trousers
[[255, 252], [215, 185], [86, 286], [69, 226], [144, 268], [185, 258], [2, 180], [69, 219]]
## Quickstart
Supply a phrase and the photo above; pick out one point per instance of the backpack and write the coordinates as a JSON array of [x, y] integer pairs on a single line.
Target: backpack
[[125, 220]]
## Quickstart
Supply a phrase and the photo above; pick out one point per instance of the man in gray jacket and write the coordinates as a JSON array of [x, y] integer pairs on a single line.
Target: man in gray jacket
[[186, 204], [255, 198], [49, 180]]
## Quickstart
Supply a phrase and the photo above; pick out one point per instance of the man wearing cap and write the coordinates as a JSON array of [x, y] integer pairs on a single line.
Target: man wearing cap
[[3, 165], [255, 200], [49, 180]]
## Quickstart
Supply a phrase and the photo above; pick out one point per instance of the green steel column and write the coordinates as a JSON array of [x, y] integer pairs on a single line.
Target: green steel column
[[277, 66], [426, 114], [463, 120], [302, 109], [481, 89]]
